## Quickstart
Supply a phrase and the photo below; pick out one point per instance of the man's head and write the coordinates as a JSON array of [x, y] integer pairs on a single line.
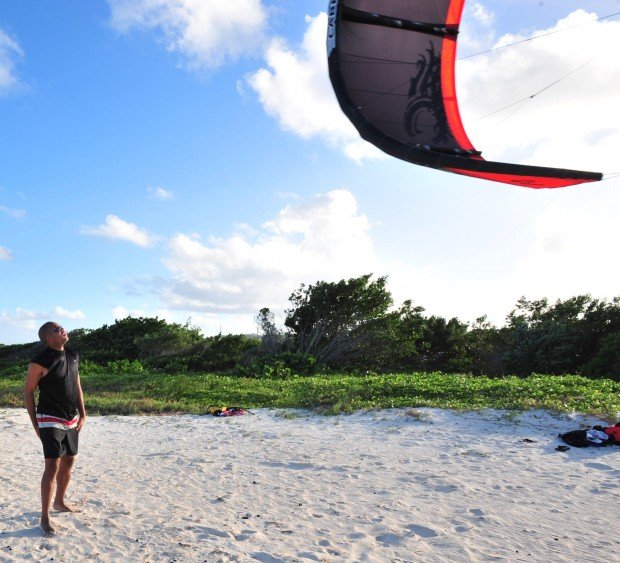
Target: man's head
[[53, 335]]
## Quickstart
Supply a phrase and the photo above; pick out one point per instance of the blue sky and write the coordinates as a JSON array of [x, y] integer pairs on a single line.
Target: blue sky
[[187, 158]]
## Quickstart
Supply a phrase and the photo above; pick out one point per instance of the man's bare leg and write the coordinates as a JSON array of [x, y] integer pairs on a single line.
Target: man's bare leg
[[47, 483], [62, 483]]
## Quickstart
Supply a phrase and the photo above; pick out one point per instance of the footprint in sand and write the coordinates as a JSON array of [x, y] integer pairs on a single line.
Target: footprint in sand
[[210, 532], [421, 531], [309, 555], [266, 557], [389, 539], [245, 535], [477, 516], [299, 465], [447, 488], [600, 466]]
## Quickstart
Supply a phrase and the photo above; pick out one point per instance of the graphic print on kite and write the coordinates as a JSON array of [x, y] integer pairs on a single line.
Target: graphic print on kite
[[391, 64], [425, 108]]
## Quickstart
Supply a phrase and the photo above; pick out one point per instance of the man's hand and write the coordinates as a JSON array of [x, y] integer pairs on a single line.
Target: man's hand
[[80, 423], [34, 375]]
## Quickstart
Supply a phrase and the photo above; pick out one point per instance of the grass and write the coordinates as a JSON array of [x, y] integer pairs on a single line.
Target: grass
[[141, 391]]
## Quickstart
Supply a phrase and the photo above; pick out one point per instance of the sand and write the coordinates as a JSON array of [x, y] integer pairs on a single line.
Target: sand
[[396, 485]]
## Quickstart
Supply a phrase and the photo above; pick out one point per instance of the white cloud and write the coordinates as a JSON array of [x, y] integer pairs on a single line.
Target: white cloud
[[24, 323], [476, 31], [28, 314], [159, 193], [567, 247], [26, 320], [205, 33], [62, 313], [10, 52], [115, 228], [5, 253], [15, 213], [573, 124], [296, 91], [564, 245], [211, 324], [145, 310], [482, 14], [120, 312], [573, 250], [324, 237]]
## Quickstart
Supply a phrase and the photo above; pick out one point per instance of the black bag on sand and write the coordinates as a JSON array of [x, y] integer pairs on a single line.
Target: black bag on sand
[[576, 438]]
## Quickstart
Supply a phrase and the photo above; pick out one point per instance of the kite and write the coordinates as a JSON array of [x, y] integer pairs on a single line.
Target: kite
[[392, 67]]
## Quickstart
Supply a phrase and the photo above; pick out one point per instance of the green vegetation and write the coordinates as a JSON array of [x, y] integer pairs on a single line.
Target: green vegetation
[[353, 325], [345, 346], [129, 389]]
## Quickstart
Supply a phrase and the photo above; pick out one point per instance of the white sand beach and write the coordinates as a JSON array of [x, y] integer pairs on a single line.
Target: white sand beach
[[398, 485]]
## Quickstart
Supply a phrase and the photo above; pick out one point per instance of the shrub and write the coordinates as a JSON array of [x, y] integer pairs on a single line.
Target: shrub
[[279, 366], [606, 362], [124, 367], [220, 353]]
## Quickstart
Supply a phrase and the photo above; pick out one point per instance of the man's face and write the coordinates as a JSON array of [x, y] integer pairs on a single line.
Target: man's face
[[58, 336]]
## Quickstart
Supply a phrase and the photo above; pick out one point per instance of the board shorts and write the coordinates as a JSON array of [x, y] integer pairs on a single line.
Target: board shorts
[[58, 442]]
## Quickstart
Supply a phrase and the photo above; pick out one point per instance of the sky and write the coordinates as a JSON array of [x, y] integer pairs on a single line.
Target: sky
[[187, 159]]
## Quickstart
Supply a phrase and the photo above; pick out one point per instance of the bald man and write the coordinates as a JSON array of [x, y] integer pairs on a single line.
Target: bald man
[[58, 416]]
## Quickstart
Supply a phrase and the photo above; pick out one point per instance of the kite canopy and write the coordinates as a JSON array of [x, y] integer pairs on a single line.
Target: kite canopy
[[391, 63]]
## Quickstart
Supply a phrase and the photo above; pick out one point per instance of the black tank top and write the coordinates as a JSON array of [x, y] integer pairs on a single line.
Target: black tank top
[[58, 390]]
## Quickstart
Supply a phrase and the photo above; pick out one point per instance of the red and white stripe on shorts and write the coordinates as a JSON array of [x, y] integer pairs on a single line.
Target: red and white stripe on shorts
[[49, 421]]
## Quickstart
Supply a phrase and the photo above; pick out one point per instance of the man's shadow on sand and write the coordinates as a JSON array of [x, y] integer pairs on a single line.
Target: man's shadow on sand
[[29, 532]]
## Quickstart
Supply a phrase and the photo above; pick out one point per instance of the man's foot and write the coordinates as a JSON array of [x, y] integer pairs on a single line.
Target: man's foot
[[46, 528], [62, 507]]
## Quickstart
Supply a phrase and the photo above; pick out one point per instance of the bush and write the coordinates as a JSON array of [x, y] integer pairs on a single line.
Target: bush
[[279, 366], [124, 367], [606, 362], [12, 353], [134, 338], [220, 353]]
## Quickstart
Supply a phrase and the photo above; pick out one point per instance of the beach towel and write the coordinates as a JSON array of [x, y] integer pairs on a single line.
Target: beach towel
[[226, 411]]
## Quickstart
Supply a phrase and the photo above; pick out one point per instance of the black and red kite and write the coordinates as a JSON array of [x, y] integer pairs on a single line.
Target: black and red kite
[[391, 63]]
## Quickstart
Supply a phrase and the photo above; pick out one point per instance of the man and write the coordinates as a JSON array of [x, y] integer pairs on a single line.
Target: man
[[59, 416]]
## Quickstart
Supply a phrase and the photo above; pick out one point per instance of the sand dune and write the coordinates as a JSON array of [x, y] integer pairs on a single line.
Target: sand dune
[[398, 485]]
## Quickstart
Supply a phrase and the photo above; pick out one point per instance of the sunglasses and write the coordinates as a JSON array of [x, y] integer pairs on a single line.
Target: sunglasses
[[58, 329]]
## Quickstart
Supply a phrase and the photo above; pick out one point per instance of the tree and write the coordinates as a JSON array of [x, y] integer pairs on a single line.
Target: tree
[[559, 338], [443, 345], [334, 321], [170, 339], [273, 338], [220, 353], [606, 362], [396, 340], [134, 338], [484, 344]]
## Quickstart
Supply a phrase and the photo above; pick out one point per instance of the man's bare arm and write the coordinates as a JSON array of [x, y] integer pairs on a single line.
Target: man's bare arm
[[34, 375], [80, 405]]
